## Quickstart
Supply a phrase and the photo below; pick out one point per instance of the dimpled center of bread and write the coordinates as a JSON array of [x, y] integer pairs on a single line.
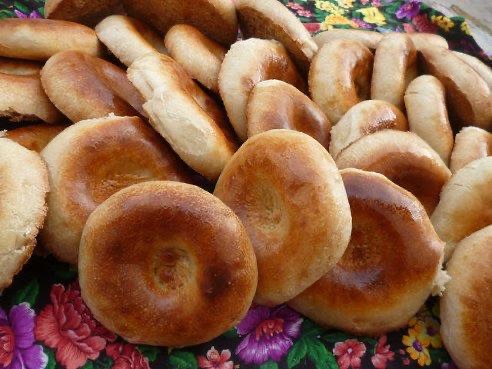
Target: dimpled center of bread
[[171, 268], [113, 182], [265, 208], [372, 237]]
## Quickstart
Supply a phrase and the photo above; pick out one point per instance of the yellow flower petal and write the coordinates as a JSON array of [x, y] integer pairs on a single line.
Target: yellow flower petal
[[372, 15], [414, 354], [464, 27], [407, 340]]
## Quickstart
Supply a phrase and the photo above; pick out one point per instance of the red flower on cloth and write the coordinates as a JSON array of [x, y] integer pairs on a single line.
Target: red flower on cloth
[[312, 27], [67, 326], [126, 356], [423, 24], [349, 353], [382, 354], [214, 360]]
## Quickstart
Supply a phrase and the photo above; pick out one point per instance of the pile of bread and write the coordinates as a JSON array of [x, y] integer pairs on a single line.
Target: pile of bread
[[335, 181]]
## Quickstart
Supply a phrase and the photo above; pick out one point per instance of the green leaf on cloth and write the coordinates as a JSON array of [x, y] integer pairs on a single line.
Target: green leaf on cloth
[[297, 352], [150, 352], [29, 293], [51, 364], [269, 365], [183, 360]]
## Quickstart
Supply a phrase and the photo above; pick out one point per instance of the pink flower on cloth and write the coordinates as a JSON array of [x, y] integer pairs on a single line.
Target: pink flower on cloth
[[126, 356], [408, 28], [33, 14], [382, 354], [349, 353], [268, 333], [67, 326], [214, 360], [294, 6], [312, 27], [305, 13]]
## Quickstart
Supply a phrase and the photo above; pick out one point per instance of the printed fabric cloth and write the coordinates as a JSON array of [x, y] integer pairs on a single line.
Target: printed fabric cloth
[[45, 324]]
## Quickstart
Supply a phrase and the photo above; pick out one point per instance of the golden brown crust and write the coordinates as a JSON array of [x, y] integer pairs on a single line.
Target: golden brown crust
[[19, 67], [216, 18], [199, 55], [369, 291], [39, 39], [287, 191], [369, 39], [274, 104], [192, 265], [34, 137], [466, 321], [87, 12], [24, 186], [128, 38], [247, 63], [85, 87], [22, 98], [365, 118], [340, 77], [402, 157], [91, 160], [467, 94], [465, 204], [470, 144], [395, 66], [191, 121], [427, 114], [270, 19]]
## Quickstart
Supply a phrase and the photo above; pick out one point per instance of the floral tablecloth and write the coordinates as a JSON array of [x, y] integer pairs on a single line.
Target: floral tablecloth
[[44, 323]]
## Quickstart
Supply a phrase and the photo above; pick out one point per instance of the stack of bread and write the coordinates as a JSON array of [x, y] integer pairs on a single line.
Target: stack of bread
[[189, 173]]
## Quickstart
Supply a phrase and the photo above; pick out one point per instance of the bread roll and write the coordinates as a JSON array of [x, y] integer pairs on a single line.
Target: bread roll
[[91, 160], [23, 191], [22, 98], [424, 40], [395, 66], [191, 121], [246, 64], [466, 321], [465, 205], [85, 87], [286, 189], [128, 38], [369, 291], [274, 104], [87, 12], [270, 19], [469, 99], [483, 70], [39, 39], [365, 118], [404, 158], [199, 55], [470, 144], [370, 39], [19, 67], [34, 137], [178, 263], [216, 18], [340, 77], [428, 116]]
